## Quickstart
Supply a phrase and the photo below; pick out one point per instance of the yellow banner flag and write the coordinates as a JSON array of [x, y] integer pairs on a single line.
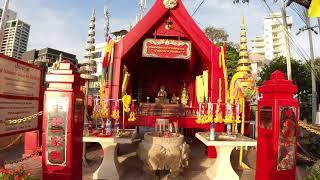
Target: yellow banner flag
[[314, 10]]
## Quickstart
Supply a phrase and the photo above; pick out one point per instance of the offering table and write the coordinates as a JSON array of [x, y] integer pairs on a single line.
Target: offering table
[[109, 168], [222, 169]]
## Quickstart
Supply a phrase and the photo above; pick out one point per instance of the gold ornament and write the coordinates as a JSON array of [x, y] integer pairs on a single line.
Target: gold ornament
[[132, 117], [170, 4], [126, 100]]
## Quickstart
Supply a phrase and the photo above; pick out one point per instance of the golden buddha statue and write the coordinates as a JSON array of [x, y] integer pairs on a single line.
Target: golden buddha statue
[[162, 95], [174, 99], [184, 96]]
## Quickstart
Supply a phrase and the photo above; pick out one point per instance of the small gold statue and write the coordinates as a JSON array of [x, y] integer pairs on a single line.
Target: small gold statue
[[184, 96], [174, 99], [162, 95]]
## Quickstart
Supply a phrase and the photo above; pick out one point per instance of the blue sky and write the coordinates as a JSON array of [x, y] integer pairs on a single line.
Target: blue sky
[[63, 24]]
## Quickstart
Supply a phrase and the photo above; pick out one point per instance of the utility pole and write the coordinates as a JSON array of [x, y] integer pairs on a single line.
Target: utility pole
[[313, 77], [319, 23], [286, 31]]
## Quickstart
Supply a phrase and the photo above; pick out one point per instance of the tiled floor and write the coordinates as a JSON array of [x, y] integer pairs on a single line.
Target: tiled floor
[[131, 166]]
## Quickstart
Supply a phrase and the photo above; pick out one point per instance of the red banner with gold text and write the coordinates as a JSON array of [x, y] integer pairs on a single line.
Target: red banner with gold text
[[166, 48]]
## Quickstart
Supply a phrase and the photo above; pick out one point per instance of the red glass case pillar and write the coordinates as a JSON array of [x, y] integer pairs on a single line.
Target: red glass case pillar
[[277, 129], [63, 124]]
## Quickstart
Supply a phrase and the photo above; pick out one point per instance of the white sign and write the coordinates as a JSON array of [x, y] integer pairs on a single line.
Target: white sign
[[17, 79], [11, 109]]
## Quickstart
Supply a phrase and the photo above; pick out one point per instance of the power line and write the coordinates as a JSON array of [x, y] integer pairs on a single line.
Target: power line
[[300, 51], [198, 8]]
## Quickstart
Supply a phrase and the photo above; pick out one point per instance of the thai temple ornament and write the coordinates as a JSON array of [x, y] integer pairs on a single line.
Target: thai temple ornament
[[115, 110], [88, 65], [229, 114], [126, 101], [132, 116], [170, 4], [184, 96]]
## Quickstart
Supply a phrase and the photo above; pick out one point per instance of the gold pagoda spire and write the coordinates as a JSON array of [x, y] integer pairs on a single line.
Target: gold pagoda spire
[[244, 64]]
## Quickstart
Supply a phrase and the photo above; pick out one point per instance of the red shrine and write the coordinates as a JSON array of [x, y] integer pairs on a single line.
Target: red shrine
[[166, 48]]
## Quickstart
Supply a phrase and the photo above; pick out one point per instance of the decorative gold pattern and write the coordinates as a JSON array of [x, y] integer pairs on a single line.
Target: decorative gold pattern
[[170, 4]]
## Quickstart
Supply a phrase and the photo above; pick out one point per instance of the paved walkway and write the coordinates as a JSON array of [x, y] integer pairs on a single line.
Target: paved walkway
[[131, 166]]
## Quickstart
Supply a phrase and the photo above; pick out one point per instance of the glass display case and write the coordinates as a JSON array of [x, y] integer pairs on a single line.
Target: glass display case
[[56, 137], [287, 138]]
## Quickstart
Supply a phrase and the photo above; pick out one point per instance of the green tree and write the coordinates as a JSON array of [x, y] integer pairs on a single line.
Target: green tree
[[216, 35], [232, 58], [219, 37], [300, 73]]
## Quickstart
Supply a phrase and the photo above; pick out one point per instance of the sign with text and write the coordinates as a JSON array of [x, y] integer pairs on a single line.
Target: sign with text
[[19, 96], [56, 133], [18, 79], [167, 48], [13, 109]]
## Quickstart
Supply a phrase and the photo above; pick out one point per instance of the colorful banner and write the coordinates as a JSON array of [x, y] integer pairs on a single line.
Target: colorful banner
[[167, 48]]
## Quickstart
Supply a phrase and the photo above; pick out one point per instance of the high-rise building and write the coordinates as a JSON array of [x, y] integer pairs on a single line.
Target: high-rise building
[[48, 56], [258, 46], [15, 38], [272, 43]]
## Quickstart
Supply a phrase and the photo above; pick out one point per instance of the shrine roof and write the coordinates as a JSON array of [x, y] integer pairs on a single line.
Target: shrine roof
[[180, 16]]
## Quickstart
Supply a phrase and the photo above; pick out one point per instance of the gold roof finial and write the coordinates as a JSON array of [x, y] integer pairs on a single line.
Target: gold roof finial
[[243, 62]]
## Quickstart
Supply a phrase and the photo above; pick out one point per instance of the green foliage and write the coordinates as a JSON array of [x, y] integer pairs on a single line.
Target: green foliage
[[232, 59], [313, 173], [219, 37], [216, 35], [300, 74]]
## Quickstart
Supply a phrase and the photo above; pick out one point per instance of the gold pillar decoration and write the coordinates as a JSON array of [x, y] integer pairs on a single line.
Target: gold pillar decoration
[[206, 85], [199, 89], [125, 81]]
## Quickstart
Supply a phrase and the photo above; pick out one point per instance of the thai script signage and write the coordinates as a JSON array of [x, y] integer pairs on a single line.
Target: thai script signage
[[17, 79], [57, 126], [19, 96], [14, 109], [167, 48]]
